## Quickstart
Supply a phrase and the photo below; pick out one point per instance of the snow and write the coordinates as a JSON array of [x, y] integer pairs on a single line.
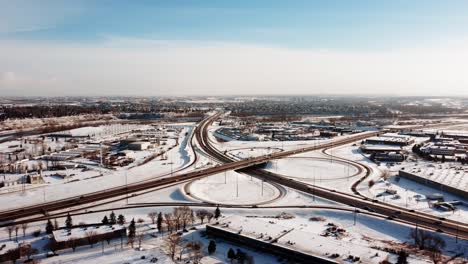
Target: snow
[[177, 158], [409, 191], [62, 235], [312, 170], [223, 188], [450, 173]]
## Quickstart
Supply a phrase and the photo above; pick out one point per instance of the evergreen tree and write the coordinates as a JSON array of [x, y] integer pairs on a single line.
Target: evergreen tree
[[105, 220], [402, 257], [211, 247], [132, 229], [159, 221], [69, 222], [231, 255], [49, 227], [217, 213], [121, 219], [112, 218]]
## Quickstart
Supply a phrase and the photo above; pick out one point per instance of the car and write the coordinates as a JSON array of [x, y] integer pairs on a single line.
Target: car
[[369, 209]]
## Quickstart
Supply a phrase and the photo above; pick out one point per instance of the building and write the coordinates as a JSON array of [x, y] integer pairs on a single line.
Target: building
[[379, 148], [80, 236], [35, 179], [438, 150], [139, 145], [391, 139], [263, 236], [390, 156]]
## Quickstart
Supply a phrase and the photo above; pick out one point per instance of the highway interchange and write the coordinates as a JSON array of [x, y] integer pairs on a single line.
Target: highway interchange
[[357, 202]]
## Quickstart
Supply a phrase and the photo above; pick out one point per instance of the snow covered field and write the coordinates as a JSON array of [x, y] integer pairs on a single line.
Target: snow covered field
[[233, 188], [319, 171]]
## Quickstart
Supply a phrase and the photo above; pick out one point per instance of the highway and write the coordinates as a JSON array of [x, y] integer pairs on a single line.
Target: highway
[[360, 203], [8, 217], [356, 200]]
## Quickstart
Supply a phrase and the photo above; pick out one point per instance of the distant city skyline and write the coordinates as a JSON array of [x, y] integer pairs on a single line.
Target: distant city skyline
[[178, 48]]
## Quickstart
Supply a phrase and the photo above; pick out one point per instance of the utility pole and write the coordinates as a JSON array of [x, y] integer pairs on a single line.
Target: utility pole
[[237, 185], [313, 190], [262, 186], [100, 150], [171, 165], [126, 187], [355, 215]]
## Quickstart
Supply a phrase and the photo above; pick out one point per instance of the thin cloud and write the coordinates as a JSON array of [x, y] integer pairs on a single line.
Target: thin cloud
[[146, 67]]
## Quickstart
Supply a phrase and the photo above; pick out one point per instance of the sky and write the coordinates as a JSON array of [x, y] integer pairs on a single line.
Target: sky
[[181, 48]]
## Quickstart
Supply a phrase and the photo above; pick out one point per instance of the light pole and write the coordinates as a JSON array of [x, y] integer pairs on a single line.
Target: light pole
[[126, 187], [313, 190], [355, 215], [237, 185], [262, 186]]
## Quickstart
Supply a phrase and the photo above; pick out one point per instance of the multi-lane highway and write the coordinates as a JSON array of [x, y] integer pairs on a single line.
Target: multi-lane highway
[[248, 166], [356, 200], [9, 216]]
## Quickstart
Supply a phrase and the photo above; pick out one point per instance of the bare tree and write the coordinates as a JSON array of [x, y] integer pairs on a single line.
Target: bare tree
[[91, 236], [27, 250], [202, 214], [153, 216], [73, 243], [209, 216], [10, 230], [169, 221], [17, 227], [139, 237], [24, 227], [182, 215], [171, 244], [435, 245], [195, 251], [431, 242], [131, 241]]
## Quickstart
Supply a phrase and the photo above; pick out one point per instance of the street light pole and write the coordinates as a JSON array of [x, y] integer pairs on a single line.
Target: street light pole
[[262, 186], [237, 185], [126, 187], [355, 215]]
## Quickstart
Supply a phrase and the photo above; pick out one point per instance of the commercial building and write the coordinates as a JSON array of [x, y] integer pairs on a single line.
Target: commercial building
[[263, 236], [139, 145], [391, 139], [79, 236]]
